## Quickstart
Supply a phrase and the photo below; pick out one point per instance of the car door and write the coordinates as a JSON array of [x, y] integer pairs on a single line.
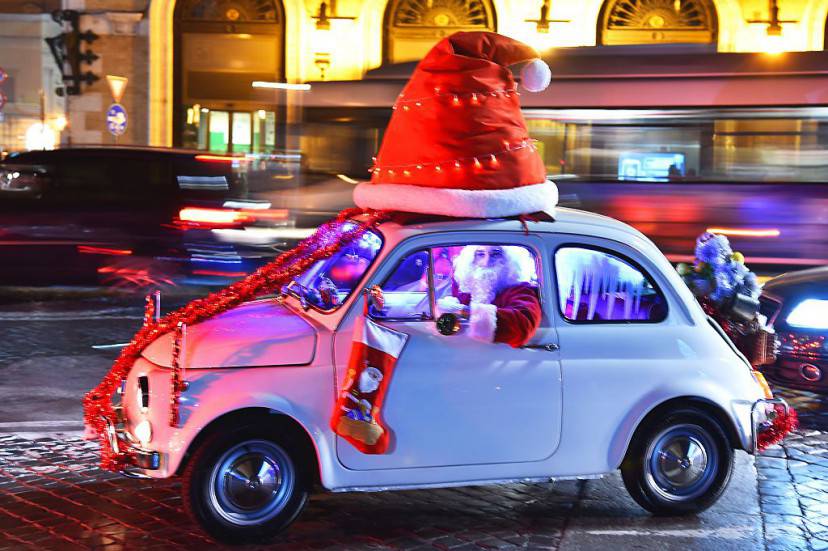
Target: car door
[[620, 344], [454, 400]]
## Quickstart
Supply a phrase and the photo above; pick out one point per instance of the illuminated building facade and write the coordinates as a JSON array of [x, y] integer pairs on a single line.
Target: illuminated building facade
[[190, 63]]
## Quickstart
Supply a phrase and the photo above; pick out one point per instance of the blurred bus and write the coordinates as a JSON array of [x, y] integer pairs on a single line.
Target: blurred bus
[[673, 139]]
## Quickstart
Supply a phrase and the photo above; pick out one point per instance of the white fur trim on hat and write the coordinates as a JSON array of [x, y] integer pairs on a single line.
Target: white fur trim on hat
[[535, 75], [460, 203], [483, 321]]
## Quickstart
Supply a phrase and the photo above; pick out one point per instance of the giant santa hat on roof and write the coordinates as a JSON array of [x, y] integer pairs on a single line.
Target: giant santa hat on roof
[[457, 144]]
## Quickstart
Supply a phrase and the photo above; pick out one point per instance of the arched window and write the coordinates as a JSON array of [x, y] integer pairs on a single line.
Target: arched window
[[221, 47], [657, 21], [412, 27], [234, 11]]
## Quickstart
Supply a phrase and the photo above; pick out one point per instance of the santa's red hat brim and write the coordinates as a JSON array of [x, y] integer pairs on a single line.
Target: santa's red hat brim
[[461, 203]]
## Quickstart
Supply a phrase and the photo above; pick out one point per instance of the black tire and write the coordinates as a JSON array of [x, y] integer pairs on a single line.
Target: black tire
[[678, 464], [244, 508]]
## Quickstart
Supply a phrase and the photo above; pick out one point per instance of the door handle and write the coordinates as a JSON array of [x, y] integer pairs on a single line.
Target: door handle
[[550, 347]]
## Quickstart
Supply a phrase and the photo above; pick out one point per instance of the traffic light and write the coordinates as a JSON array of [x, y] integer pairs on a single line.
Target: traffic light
[[66, 49]]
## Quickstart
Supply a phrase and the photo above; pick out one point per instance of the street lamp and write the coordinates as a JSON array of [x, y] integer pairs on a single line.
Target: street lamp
[[542, 22], [322, 39], [774, 28]]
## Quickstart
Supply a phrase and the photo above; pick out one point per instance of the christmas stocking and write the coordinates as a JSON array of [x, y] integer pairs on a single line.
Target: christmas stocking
[[358, 414]]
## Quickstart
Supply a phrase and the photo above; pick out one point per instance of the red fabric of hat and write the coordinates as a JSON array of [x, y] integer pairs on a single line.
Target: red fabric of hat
[[457, 143]]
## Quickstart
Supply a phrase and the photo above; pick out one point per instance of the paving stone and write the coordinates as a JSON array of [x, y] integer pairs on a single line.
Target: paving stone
[[804, 457], [787, 544]]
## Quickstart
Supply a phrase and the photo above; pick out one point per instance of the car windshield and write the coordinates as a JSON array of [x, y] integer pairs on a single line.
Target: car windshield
[[327, 284]]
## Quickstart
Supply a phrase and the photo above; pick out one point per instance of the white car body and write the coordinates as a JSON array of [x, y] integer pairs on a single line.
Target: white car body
[[462, 412]]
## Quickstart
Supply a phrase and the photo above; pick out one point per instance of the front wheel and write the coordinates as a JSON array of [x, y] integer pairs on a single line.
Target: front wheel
[[245, 487], [679, 464]]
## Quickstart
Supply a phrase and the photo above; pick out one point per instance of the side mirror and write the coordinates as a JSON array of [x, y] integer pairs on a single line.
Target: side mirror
[[448, 324]]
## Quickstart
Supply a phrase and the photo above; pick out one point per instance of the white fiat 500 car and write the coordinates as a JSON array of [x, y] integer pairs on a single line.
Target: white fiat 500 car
[[625, 372]]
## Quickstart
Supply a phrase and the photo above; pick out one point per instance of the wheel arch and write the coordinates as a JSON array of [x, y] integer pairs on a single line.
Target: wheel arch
[[270, 418], [708, 406]]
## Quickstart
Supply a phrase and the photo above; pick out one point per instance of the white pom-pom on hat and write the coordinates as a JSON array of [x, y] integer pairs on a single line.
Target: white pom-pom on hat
[[535, 75]]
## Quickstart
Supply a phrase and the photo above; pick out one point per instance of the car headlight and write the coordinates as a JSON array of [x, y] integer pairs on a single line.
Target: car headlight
[[811, 313], [143, 432]]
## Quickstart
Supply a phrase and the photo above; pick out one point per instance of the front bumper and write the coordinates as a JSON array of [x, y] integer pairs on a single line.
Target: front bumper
[[137, 458], [771, 419]]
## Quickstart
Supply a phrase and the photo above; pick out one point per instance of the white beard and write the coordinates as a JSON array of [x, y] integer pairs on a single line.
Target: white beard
[[483, 284]]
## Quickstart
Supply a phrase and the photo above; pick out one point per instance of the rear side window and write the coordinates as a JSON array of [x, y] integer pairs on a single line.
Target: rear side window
[[596, 286]]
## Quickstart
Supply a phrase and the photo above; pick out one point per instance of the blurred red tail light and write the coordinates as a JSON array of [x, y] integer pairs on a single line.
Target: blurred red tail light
[[220, 158], [201, 216], [86, 249], [223, 217]]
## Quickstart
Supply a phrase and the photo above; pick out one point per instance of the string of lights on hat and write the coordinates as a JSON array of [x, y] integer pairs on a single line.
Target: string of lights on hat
[[456, 164], [475, 97]]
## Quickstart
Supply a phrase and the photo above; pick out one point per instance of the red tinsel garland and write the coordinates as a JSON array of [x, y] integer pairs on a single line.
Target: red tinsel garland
[[782, 424], [323, 243], [176, 383]]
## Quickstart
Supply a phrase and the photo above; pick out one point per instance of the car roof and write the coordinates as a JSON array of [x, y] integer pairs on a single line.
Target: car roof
[[560, 220], [813, 282], [41, 156]]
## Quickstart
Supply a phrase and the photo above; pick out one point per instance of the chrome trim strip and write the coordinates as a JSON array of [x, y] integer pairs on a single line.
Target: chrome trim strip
[[525, 480]]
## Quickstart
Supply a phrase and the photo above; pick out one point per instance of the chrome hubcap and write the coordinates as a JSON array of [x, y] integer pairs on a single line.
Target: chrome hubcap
[[681, 462], [252, 482]]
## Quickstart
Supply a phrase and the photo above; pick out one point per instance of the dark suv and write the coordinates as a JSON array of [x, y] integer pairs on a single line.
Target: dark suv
[[126, 215]]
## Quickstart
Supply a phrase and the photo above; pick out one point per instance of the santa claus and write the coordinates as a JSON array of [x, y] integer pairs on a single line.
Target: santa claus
[[495, 291]]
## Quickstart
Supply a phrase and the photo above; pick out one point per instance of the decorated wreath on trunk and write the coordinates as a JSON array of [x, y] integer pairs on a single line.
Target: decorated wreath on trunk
[[729, 293]]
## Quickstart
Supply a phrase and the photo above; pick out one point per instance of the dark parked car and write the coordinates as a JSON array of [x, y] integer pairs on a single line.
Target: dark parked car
[[130, 215], [796, 304]]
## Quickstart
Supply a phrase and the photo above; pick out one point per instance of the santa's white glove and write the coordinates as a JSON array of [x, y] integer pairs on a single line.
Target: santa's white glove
[[450, 305]]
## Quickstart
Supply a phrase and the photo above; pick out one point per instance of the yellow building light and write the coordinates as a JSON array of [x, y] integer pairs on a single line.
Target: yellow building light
[[40, 136], [59, 123], [773, 43]]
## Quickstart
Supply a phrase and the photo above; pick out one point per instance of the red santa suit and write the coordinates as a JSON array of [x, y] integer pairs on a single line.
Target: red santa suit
[[512, 317]]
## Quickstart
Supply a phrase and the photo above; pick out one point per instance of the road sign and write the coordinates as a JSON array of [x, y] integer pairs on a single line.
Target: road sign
[[116, 119], [117, 85]]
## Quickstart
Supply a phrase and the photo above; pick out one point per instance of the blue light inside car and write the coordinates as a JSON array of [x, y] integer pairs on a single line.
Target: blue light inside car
[[811, 313]]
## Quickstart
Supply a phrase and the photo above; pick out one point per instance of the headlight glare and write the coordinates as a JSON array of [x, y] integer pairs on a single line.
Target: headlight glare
[[811, 313], [143, 432]]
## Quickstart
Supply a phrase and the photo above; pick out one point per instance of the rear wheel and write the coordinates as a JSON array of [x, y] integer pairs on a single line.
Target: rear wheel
[[245, 487], [678, 464]]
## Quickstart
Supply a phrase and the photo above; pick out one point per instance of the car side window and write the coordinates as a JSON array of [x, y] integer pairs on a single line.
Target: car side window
[[452, 276], [406, 291], [596, 286]]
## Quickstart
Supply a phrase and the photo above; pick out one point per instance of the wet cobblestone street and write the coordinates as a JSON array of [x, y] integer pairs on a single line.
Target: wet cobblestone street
[[53, 496], [793, 479]]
